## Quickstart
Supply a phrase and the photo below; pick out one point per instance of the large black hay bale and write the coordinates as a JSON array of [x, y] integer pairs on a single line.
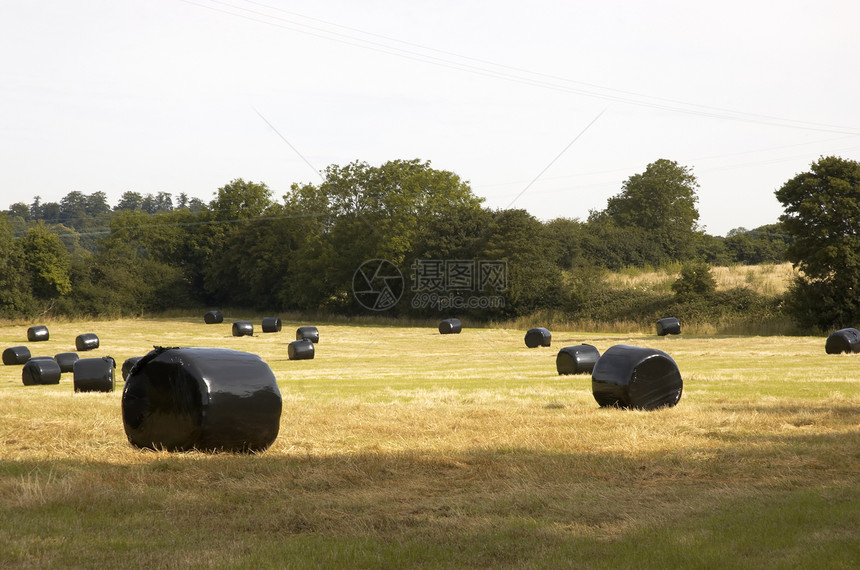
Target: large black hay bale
[[201, 398], [66, 360], [16, 355], [843, 340], [538, 337], [41, 371], [94, 374], [635, 377], [450, 326], [579, 359], [669, 325], [243, 328], [308, 333], [128, 365], [213, 317], [86, 341], [38, 333], [301, 349], [271, 324]]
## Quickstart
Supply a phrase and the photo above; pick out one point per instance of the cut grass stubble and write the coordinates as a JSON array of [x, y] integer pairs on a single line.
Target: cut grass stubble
[[402, 447]]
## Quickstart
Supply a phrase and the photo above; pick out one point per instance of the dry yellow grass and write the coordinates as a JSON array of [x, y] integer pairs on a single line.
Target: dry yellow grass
[[468, 449], [765, 279]]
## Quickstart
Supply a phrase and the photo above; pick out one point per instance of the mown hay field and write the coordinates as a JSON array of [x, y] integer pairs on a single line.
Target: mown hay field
[[401, 447], [765, 278]]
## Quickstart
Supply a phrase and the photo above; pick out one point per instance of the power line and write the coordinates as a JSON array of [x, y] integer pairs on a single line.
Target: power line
[[509, 73]]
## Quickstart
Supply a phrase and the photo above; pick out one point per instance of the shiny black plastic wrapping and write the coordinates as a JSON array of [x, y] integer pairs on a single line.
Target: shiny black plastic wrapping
[[40, 371], [636, 377], [843, 340], [243, 328], [128, 364], [271, 324], [201, 398], [86, 341], [16, 355], [538, 336], [213, 317], [669, 325], [301, 350], [94, 374], [450, 326], [38, 333], [308, 333], [66, 360], [579, 359]]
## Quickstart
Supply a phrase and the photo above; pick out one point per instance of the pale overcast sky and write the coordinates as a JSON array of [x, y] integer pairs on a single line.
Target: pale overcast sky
[[547, 105]]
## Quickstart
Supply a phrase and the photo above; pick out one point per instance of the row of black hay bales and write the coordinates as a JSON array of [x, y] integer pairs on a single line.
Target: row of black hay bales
[[243, 327], [303, 347], [540, 336], [88, 374], [21, 354], [246, 328], [268, 325], [625, 376], [40, 333]]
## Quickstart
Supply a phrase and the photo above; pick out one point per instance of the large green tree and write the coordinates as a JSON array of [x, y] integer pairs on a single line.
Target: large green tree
[[523, 243], [822, 216], [362, 212], [765, 244], [662, 203], [16, 297]]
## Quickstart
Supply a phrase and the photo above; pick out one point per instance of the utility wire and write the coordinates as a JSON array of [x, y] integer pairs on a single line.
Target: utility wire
[[548, 81], [570, 144]]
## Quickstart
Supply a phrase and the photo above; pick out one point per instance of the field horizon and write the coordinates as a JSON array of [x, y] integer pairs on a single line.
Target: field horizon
[[401, 447]]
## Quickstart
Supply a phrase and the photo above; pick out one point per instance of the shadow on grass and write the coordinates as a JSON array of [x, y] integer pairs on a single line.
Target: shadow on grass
[[757, 506]]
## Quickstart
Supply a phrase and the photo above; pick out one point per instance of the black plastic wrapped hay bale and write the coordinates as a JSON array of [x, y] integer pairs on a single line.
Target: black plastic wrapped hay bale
[[308, 333], [669, 325], [538, 336], [16, 355], [201, 398], [86, 341], [636, 377], [843, 340], [301, 349], [243, 328], [213, 317], [40, 371], [94, 374], [450, 326], [579, 359], [66, 360], [271, 324], [128, 365], [38, 333]]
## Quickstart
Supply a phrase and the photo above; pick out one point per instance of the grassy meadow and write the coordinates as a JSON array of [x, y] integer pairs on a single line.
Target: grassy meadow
[[400, 447], [764, 279]]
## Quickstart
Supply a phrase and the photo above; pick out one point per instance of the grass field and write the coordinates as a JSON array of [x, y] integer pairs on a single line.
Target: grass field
[[764, 279], [400, 447]]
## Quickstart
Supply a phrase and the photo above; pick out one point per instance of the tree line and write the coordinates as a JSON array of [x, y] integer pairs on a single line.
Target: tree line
[[245, 248]]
